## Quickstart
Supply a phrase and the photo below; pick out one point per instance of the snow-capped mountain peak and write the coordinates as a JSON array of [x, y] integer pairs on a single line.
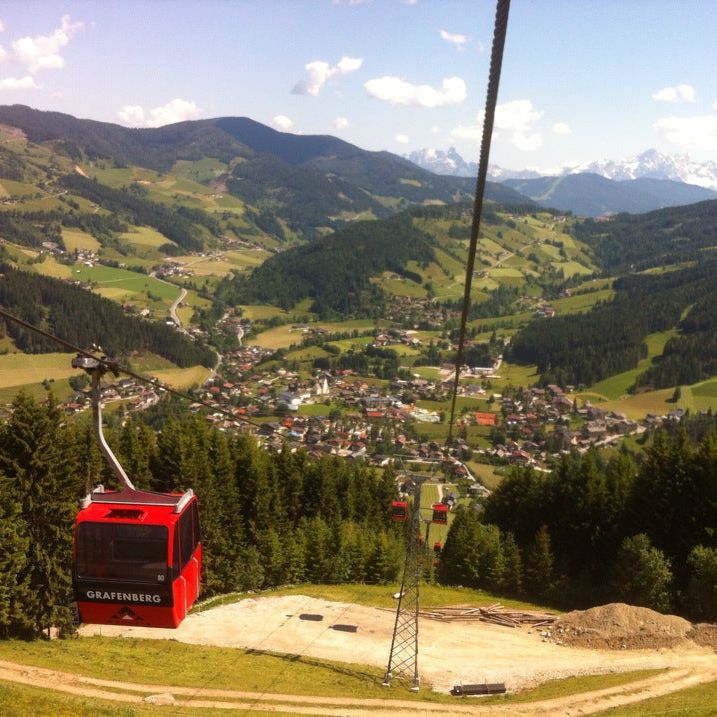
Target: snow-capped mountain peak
[[655, 165], [650, 163], [441, 161]]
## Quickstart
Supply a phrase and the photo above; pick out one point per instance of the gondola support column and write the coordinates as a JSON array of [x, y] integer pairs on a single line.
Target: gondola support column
[[96, 368]]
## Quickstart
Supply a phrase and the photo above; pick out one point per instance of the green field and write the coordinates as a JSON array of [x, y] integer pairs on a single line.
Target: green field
[[182, 378], [515, 375], [77, 239], [260, 312], [706, 389], [22, 369], [284, 336], [581, 302], [307, 354], [144, 237], [617, 385]]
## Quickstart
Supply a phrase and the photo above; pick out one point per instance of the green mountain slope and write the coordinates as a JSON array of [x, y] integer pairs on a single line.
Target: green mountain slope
[[659, 238], [420, 254], [286, 172], [609, 339], [83, 318]]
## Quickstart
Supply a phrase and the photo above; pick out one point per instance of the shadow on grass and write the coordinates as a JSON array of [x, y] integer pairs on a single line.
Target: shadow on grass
[[329, 667]]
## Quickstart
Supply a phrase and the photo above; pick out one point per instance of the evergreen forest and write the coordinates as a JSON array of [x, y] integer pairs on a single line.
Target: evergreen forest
[[592, 531]]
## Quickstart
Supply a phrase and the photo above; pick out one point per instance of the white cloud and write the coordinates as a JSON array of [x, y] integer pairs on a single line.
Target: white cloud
[[341, 122], [132, 115], [177, 110], [516, 118], [42, 52], [697, 133], [22, 83], [399, 92], [3, 54], [350, 2], [714, 106], [2, 26], [456, 39], [401, 139], [562, 128], [679, 93], [435, 129], [282, 122], [318, 73]]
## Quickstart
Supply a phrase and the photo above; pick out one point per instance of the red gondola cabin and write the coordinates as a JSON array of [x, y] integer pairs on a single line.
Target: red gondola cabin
[[399, 511], [138, 557], [440, 513]]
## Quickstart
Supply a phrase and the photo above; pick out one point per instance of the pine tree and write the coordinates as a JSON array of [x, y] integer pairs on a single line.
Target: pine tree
[[539, 565], [512, 582], [136, 451], [14, 590], [41, 479]]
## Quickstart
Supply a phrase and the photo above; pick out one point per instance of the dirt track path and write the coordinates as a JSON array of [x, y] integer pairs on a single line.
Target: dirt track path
[[202, 698]]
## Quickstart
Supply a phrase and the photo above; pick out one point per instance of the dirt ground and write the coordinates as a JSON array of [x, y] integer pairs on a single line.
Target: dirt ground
[[449, 653]]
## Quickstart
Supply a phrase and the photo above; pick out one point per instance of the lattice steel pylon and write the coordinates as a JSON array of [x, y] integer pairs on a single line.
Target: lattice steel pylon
[[403, 658]]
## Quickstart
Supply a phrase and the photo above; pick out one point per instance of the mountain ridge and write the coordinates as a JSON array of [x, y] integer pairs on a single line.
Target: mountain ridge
[[384, 177], [591, 195]]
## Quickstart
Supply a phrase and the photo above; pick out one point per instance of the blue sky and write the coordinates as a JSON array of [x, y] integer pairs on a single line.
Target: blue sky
[[582, 79]]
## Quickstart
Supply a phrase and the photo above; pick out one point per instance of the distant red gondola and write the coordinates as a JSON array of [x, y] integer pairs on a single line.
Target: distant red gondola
[[440, 514], [399, 511], [437, 547]]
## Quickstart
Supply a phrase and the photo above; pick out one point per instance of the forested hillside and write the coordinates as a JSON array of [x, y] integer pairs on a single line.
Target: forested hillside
[[632, 242], [177, 224], [266, 520], [335, 271], [586, 348], [309, 182], [595, 530], [83, 319], [589, 532]]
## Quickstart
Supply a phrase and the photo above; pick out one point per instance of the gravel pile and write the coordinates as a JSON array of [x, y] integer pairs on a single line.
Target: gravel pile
[[622, 627]]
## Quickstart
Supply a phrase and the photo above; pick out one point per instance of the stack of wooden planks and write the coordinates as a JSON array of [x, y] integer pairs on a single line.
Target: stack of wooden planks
[[495, 614]]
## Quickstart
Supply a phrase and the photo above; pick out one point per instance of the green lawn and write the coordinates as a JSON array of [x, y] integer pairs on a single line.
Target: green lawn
[[146, 661], [382, 595], [699, 701], [486, 474]]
